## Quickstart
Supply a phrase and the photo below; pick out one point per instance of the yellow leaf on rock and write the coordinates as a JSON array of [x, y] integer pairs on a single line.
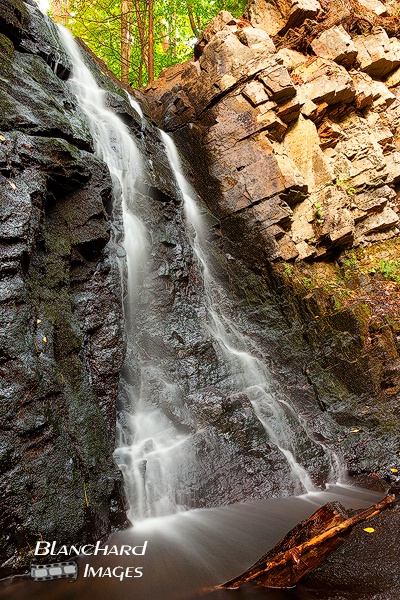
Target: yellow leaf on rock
[[38, 321], [45, 339], [2, 138], [354, 430], [394, 470], [14, 187], [369, 529]]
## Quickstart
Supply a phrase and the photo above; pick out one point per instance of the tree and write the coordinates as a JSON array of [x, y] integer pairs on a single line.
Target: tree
[[126, 35], [60, 11], [139, 38]]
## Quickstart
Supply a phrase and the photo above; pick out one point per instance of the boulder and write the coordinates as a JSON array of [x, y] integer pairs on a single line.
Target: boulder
[[305, 251], [255, 92], [300, 11], [358, 159], [330, 133], [382, 96], [218, 23], [273, 211], [266, 15], [277, 81], [313, 127], [335, 44], [287, 248], [392, 162], [379, 222], [256, 39], [333, 221], [291, 58], [289, 111], [393, 79], [309, 109], [380, 131], [23, 24], [228, 129], [302, 229], [295, 185], [376, 6], [272, 124], [325, 81], [378, 55], [34, 99], [279, 16], [371, 202], [342, 236], [363, 89], [238, 169], [302, 145], [224, 62]]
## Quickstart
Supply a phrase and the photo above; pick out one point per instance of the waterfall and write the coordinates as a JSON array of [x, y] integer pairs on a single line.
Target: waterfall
[[250, 374], [164, 454]]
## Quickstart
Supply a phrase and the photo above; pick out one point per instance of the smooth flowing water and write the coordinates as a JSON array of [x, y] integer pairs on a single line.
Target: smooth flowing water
[[189, 553], [250, 373]]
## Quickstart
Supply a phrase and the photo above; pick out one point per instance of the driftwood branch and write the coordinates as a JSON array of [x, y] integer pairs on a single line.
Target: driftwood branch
[[306, 546]]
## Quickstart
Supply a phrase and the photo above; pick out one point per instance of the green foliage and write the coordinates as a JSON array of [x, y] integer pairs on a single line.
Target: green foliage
[[341, 182], [390, 269], [307, 283], [287, 270], [350, 260], [98, 24], [318, 213]]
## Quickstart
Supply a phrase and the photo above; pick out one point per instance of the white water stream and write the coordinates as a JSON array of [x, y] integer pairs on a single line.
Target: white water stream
[[151, 447], [251, 375]]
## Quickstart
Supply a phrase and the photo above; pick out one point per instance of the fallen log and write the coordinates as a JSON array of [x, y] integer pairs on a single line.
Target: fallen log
[[306, 546]]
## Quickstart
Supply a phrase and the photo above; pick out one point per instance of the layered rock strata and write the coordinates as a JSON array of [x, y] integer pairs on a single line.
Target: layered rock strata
[[297, 156], [291, 137]]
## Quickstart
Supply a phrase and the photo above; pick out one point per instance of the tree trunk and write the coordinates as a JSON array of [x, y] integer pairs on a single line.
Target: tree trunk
[[191, 19], [306, 546], [126, 20], [150, 62], [140, 23]]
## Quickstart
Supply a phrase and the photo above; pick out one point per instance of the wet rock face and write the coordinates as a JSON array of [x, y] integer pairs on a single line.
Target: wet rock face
[[62, 341], [62, 334]]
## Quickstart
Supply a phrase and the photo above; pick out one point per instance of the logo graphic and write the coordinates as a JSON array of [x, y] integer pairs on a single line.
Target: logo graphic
[[48, 572]]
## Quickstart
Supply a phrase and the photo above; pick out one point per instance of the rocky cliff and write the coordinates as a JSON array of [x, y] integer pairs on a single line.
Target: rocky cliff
[[289, 120], [62, 340], [295, 157]]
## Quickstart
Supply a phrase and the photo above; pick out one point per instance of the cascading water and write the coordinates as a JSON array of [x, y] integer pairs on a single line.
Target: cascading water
[[146, 432], [163, 452], [250, 373]]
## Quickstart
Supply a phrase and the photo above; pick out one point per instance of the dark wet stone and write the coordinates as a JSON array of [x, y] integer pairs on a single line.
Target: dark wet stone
[[59, 375]]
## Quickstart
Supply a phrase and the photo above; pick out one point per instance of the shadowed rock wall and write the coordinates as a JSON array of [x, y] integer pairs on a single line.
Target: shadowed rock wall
[[62, 340]]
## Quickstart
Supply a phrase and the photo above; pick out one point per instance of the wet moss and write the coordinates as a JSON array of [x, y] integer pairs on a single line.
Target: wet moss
[[6, 49]]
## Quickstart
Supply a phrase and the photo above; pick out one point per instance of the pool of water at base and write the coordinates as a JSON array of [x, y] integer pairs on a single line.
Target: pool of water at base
[[189, 553]]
